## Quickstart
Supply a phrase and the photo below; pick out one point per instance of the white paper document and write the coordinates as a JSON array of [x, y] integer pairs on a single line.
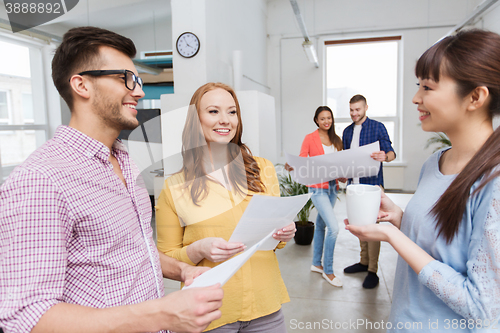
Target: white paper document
[[350, 163], [265, 214], [223, 272], [262, 217]]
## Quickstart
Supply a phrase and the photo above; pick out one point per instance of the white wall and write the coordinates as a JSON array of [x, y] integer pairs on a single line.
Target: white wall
[[222, 26], [154, 35], [258, 118], [238, 25], [298, 86], [490, 19], [190, 73]]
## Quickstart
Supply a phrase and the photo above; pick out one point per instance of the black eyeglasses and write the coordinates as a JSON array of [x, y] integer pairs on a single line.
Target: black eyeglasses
[[130, 78]]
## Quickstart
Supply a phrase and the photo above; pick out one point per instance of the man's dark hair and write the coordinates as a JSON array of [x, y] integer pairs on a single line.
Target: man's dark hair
[[79, 51], [357, 98]]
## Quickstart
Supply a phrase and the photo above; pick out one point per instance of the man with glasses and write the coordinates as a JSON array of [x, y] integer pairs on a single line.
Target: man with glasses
[[131, 80], [76, 244]]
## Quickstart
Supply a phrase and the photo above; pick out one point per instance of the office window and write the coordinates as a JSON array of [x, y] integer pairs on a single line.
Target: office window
[[28, 116], [4, 108], [368, 67], [22, 127]]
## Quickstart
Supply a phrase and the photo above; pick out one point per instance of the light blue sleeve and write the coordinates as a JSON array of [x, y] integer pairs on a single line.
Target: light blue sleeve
[[477, 295]]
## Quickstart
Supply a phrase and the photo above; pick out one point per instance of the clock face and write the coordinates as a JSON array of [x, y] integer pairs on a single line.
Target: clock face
[[188, 45]]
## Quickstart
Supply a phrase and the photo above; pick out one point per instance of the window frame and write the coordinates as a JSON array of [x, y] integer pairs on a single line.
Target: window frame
[[39, 97], [8, 120], [397, 119], [29, 121]]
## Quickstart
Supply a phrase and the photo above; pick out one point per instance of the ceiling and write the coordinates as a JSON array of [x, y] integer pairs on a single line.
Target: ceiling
[[108, 14]]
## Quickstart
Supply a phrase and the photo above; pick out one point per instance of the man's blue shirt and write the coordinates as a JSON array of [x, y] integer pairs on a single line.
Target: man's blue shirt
[[371, 131]]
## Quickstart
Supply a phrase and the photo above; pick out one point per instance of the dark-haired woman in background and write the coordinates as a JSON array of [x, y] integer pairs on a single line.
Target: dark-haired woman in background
[[324, 140], [448, 239]]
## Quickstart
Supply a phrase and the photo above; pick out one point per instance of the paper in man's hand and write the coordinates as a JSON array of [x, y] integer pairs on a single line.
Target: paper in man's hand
[[350, 163]]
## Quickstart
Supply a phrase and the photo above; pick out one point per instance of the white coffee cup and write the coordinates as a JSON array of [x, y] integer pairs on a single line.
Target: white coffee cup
[[363, 203]]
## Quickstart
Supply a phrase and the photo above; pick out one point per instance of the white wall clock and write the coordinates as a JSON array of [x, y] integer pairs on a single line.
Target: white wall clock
[[188, 45]]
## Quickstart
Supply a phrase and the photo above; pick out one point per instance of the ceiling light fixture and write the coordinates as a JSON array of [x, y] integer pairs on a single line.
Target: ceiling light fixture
[[310, 52], [471, 18], [307, 44]]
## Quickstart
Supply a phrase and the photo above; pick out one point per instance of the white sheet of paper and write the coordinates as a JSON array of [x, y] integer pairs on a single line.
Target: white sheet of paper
[[348, 163], [264, 214], [223, 272]]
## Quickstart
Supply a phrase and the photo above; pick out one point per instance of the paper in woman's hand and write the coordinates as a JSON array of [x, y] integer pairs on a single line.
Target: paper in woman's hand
[[350, 163], [265, 214], [223, 272]]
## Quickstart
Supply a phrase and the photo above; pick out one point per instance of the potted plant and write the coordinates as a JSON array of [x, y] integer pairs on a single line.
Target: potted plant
[[440, 139], [305, 228]]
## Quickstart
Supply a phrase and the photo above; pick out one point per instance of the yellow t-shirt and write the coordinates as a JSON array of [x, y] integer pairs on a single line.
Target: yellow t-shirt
[[257, 289]]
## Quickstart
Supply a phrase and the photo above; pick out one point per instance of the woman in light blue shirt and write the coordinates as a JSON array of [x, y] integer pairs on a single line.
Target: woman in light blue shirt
[[448, 239]]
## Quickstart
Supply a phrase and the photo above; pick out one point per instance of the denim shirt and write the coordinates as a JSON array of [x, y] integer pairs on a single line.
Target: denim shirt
[[371, 131]]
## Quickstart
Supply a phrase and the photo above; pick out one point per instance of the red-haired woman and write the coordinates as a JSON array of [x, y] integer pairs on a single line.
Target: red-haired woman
[[201, 205], [448, 239]]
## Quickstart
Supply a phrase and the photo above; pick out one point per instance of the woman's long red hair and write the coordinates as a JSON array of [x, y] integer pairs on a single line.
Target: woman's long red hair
[[243, 173]]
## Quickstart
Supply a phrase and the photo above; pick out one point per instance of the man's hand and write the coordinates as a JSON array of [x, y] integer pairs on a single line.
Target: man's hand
[[190, 310], [189, 273], [382, 156], [379, 156]]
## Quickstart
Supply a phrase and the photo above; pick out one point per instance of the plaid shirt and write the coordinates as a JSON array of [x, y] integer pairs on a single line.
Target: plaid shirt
[[70, 231], [371, 131]]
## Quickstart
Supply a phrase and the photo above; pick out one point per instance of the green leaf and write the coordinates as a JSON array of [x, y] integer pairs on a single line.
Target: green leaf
[[289, 187], [440, 139]]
